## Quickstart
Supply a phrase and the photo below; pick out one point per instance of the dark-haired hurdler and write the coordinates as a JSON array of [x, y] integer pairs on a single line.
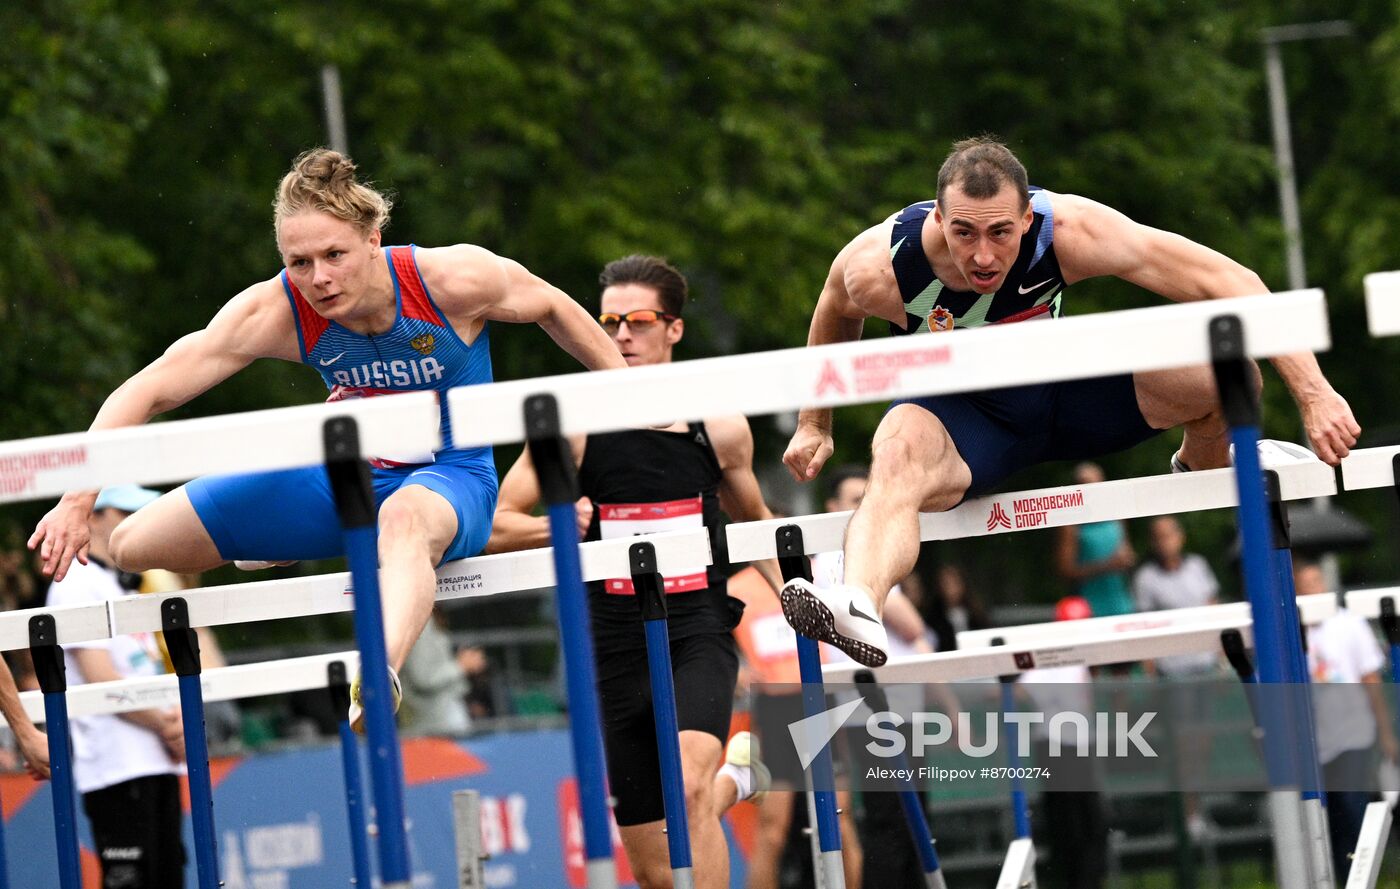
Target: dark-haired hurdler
[[372, 320], [991, 249], [640, 481]]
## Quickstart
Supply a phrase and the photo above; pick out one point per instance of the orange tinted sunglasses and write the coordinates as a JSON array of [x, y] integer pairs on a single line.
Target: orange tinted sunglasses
[[638, 318]]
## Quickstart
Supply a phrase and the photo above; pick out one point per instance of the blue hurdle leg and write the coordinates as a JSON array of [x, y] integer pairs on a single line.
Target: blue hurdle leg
[[823, 776], [910, 802], [183, 645], [339, 686], [1276, 640], [354, 496], [49, 670], [792, 559], [556, 472], [651, 596]]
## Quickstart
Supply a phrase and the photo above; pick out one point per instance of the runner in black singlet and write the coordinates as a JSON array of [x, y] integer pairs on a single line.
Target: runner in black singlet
[[643, 481]]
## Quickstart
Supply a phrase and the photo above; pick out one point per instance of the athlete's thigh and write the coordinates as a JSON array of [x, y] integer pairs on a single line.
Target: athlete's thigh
[[165, 534], [980, 438], [704, 668], [273, 516], [1168, 398], [629, 740], [1097, 416], [469, 499]]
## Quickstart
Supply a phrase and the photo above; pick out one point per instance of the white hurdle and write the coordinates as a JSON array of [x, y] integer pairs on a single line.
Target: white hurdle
[[1048, 508], [331, 593], [1106, 343], [1383, 303], [220, 684]]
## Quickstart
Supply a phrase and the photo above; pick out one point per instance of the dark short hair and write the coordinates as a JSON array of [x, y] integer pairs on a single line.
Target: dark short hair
[[981, 166], [652, 271], [842, 474]]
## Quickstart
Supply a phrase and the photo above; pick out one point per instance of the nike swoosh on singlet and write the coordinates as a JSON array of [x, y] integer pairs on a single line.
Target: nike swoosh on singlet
[[1024, 290], [326, 362]]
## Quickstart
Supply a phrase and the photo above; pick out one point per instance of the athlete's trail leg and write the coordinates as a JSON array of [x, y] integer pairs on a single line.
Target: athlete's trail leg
[[1187, 397], [646, 844]]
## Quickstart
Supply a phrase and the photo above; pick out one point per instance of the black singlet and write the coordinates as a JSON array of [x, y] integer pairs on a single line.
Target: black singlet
[[643, 480]]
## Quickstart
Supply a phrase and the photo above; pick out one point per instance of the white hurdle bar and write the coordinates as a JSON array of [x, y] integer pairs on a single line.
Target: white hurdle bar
[[1369, 468], [1102, 640], [1084, 346], [1383, 303], [221, 684], [1312, 610], [330, 593], [175, 451], [1048, 508], [1107, 343]]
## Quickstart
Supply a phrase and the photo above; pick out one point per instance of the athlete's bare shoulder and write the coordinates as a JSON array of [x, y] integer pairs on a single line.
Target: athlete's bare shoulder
[[1066, 208], [865, 269], [732, 439], [463, 278], [1092, 239], [258, 322]]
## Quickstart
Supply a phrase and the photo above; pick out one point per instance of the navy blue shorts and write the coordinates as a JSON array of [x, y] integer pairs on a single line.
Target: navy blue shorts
[[1002, 431], [290, 514]]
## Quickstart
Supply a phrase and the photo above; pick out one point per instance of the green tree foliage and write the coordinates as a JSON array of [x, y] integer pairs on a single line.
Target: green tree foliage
[[77, 85]]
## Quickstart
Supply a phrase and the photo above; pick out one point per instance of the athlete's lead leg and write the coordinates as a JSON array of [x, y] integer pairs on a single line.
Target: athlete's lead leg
[[914, 466]]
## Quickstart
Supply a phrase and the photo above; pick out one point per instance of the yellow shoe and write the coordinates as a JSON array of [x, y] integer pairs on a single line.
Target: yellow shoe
[[357, 710], [743, 756]]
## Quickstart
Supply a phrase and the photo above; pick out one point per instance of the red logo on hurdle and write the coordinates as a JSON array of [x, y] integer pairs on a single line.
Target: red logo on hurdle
[[830, 379], [998, 517]]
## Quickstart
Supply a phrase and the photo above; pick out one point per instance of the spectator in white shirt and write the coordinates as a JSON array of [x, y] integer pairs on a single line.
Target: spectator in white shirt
[[1174, 578], [125, 766], [1350, 715]]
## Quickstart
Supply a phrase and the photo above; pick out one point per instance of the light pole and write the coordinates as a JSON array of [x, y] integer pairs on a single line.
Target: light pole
[[1288, 182], [334, 108], [1283, 139]]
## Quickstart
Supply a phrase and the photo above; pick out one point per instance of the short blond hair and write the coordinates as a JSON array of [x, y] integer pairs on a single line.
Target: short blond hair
[[324, 180]]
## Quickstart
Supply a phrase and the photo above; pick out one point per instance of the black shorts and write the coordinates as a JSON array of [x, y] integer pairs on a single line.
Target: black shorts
[[705, 668], [136, 829], [1001, 431]]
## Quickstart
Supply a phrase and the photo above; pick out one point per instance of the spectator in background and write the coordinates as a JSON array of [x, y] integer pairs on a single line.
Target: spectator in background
[[31, 745], [480, 696], [1096, 558], [1174, 578], [952, 609], [1350, 713], [434, 684], [126, 766]]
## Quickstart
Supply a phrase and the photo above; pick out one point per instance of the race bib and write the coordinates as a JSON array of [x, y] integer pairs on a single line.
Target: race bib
[[617, 520], [386, 461]]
